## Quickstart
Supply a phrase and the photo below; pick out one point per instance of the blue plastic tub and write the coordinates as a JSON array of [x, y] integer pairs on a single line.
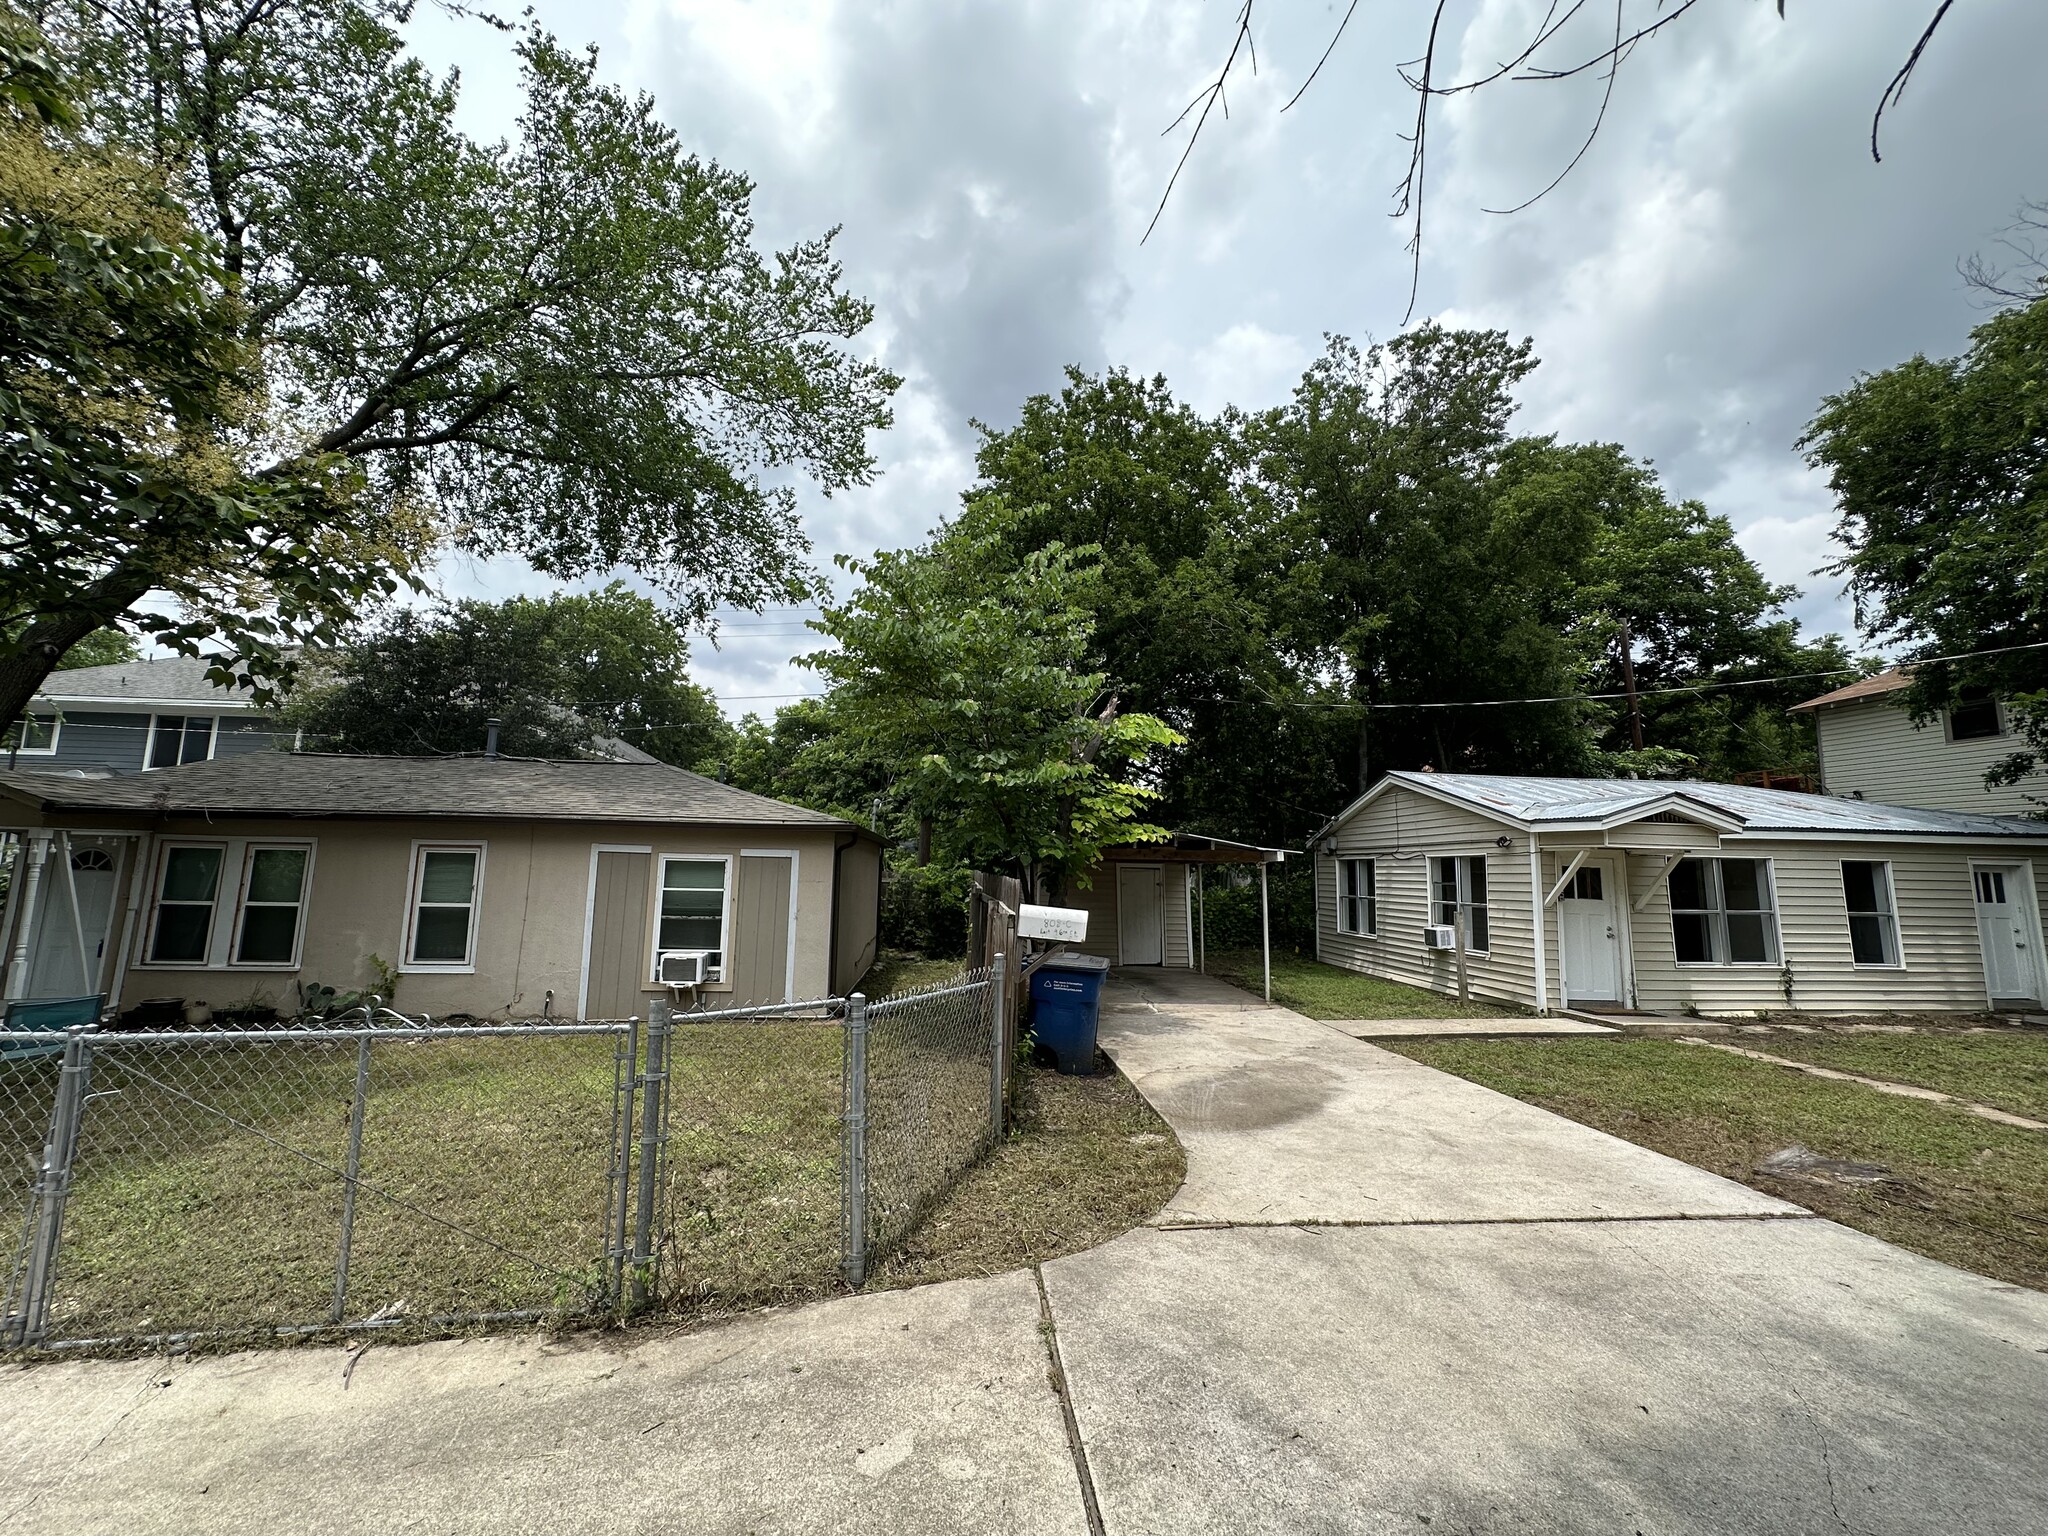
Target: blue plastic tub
[[1066, 1005]]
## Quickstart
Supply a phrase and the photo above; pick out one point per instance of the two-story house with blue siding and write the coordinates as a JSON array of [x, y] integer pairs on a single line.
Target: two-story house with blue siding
[[133, 716]]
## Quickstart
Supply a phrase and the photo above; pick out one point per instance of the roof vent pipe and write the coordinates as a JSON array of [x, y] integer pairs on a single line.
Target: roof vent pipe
[[491, 737]]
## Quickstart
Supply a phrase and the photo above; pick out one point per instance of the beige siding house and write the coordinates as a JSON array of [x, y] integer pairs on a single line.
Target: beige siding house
[[1669, 897], [488, 886], [1871, 749]]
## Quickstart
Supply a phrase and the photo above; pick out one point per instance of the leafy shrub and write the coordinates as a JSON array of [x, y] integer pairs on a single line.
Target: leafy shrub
[[925, 910]]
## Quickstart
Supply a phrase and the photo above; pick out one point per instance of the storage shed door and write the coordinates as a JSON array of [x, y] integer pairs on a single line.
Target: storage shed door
[[619, 963], [765, 914]]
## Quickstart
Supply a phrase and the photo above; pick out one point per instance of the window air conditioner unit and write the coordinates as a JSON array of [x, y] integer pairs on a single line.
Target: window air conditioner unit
[[687, 967], [1440, 936]]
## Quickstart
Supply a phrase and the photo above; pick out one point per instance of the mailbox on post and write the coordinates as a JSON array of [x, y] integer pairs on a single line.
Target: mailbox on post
[[1052, 925]]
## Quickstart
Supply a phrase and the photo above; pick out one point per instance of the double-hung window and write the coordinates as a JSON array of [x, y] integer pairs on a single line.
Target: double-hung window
[[441, 927], [1873, 921], [32, 736], [272, 921], [1722, 912], [187, 894], [1358, 905], [1459, 884], [693, 910], [176, 739]]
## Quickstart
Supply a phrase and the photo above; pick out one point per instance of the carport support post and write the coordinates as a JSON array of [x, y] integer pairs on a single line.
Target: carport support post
[[1265, 930], [660, 1018], [854, 1261], [351, 1168], [1202, 918]]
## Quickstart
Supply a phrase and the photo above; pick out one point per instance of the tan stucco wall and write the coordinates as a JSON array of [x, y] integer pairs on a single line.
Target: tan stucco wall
[[530, 927]]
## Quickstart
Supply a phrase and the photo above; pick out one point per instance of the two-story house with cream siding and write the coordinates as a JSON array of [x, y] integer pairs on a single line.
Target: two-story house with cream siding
[[1871, 749]]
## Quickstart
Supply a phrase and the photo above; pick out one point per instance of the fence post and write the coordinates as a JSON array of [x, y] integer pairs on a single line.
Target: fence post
[[998, 1064], [854, 1173], [350, 1169], [625, 1069], [659, 1021], [53, 1185]]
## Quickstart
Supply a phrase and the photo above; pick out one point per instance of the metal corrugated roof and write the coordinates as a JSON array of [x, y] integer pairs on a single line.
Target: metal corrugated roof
[[499, 788], [1541, 801]]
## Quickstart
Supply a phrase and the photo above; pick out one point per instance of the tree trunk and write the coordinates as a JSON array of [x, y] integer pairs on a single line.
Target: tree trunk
[[31, 659]]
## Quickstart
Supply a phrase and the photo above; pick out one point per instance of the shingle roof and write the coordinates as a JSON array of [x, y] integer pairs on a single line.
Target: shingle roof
[[1875, 686], [504, 788], [1540, 801], [160, 679]]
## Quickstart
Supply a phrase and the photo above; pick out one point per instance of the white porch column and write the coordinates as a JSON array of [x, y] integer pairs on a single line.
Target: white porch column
[[1265, 929], [31, 881], [1536, 918]]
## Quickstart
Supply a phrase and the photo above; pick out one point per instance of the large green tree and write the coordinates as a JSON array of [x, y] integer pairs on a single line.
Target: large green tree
[[967, 670], [129, 395], [1940, 472], [565, 346], [557, 673]]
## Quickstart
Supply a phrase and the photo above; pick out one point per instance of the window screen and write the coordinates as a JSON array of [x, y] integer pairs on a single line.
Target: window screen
[[1873, 926], [273, 897], [1721, 912], [444, 907], [186, 893], [1460, 882], [1357, 896], [692, 904]]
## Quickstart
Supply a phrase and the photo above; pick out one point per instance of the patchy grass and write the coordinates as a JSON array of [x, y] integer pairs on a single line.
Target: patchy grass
[[2005, 1068], [1964, 1190], [1089, 1159], [207, 1193], [1331, 992], [899, 970]]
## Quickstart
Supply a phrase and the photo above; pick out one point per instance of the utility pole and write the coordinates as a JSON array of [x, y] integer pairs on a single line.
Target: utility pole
[[1628, 681]]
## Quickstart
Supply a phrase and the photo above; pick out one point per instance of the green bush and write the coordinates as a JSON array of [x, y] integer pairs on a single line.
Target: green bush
[[925, 911], [1233, 911]]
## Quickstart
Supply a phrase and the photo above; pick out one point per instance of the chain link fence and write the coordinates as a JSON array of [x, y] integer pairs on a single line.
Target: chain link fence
[[376, 1170]]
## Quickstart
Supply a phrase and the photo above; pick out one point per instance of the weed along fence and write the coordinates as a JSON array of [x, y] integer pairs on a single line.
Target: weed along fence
[[385, 1171]]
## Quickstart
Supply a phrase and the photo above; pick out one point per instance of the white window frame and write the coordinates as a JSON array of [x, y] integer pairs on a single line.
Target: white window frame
[[1895, 945], [415, 868], [1368, 899], [164, 848], [1948, 722], [1717, 915], [661, 865], [56, 725], [149, 741], [1461, 865], [250, 849]]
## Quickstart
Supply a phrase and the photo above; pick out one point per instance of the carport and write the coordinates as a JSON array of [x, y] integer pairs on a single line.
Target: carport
[[1147, 903]]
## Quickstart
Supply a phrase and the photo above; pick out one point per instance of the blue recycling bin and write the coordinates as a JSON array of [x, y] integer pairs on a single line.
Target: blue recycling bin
[[1066, 1003]]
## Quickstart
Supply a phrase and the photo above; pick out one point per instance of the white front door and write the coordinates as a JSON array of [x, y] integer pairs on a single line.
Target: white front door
[[2005, 927], [1140, 915], [1586, 931], [57, 970]]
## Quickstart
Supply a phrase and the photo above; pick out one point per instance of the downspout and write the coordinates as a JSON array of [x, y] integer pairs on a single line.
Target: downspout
[[1536, 903], [832, 938], [24, 931]]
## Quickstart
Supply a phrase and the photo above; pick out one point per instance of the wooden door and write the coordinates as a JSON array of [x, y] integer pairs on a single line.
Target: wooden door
[[620, 965], [764, 911]]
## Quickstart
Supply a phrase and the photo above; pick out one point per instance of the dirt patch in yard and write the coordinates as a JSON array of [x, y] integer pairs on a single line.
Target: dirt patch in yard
[[1953, 1187]]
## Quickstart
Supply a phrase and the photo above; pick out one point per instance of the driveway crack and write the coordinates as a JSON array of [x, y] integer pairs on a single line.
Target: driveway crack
[[1056, 1373]]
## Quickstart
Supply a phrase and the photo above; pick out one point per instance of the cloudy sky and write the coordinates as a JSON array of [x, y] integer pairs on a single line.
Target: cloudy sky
[[1725, 254]]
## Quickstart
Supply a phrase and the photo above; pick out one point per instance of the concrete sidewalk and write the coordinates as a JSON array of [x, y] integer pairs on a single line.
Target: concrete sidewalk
[[1386, 1300]]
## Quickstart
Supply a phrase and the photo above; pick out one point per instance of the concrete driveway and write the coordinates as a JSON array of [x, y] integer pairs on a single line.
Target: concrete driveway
[[1385, 1300]]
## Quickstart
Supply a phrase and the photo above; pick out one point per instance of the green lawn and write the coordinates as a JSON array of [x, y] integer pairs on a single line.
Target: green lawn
[[2005, 1068], [1964, 1190], [1330, 992]]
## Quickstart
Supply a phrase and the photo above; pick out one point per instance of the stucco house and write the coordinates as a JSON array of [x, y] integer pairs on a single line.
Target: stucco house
[[484, 883], [1674, 896], [1871, 749], [135, 716]]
